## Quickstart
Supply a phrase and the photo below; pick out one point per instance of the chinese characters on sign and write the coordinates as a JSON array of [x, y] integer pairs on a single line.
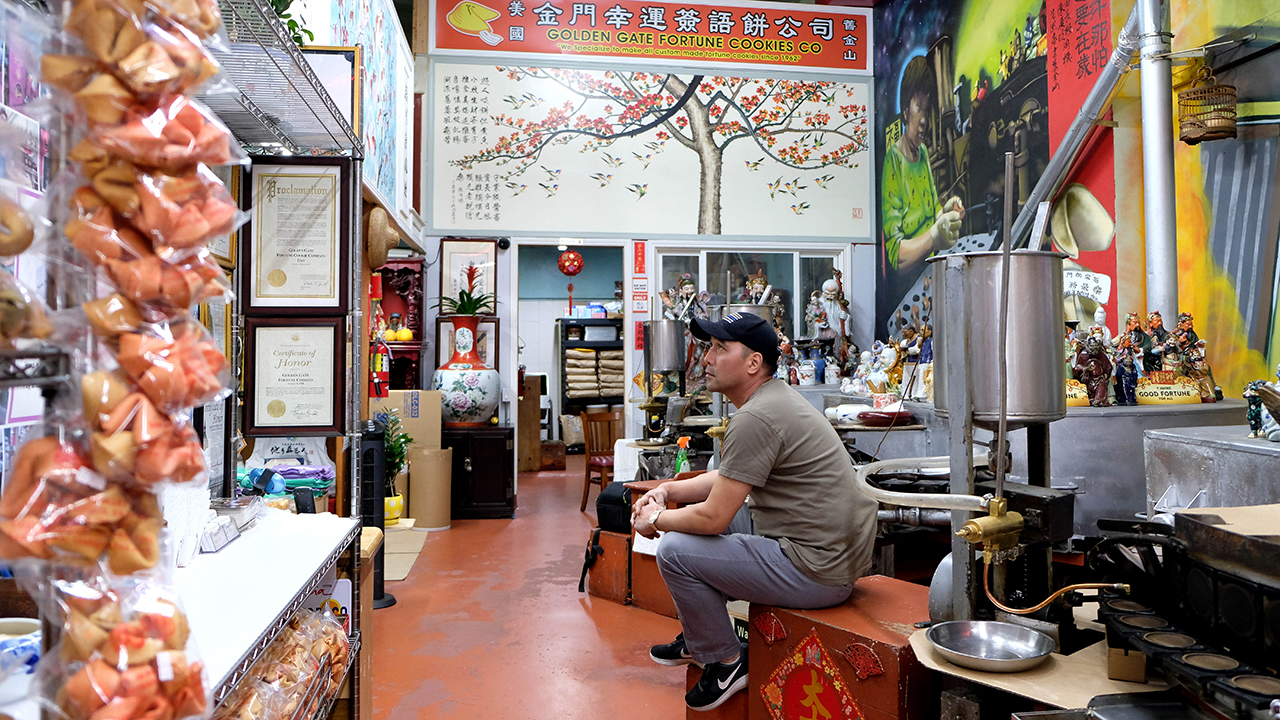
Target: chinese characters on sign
[[466, 109], [475, 195], [1082, 29], [833, 38], [1095, 286]]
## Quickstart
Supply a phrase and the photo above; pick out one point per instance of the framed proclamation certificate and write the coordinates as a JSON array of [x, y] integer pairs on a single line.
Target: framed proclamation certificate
[[296, 260], [294, 376]]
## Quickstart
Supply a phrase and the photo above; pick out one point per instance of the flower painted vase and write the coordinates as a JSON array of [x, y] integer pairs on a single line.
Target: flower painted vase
[[469, 391]]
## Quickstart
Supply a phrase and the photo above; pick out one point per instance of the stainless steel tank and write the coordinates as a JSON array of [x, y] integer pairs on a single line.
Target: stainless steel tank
[[667, 342], [718, 312], [1036, 364]]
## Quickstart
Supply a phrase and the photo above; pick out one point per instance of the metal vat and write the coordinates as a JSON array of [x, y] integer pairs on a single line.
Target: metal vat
[[1036, 363], [718, 312], [667, 341]]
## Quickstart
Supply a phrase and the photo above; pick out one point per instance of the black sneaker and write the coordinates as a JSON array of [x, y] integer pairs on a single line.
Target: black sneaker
[[718, 683], [673, 653]]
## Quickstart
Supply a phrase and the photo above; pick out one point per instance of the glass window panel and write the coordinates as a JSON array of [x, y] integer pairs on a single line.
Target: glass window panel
[[813, 272], [673, 266], [731, 271]]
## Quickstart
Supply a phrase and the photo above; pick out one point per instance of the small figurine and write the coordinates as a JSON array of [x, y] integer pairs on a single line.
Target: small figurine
[[833, 320], [753, 291], [1197, 368], [913, 382], [1186, 326], [1254, 413], [1157, 337], [878, 376], [926, 361], [1126, 372], [814, 316], [1100, 323], [1094, 370]]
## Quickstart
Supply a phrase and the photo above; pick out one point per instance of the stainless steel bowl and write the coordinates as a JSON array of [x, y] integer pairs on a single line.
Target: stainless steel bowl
[[990, 646]]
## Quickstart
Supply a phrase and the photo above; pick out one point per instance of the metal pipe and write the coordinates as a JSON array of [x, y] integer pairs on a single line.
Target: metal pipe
[[939, 501], [1002, 431], [1157, 160], [915, 517], [1095, 104]]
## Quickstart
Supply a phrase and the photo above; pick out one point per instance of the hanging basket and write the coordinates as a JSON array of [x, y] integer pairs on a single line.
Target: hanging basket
[[1207, 110]]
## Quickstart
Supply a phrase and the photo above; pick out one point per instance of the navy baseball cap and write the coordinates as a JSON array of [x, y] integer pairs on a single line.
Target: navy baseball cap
[[750, 330]]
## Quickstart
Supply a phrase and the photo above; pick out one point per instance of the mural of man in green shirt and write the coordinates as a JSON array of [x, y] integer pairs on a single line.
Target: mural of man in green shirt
[[914, 223]]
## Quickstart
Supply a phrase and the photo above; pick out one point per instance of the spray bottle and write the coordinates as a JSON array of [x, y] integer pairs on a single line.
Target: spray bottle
[[682, 455]]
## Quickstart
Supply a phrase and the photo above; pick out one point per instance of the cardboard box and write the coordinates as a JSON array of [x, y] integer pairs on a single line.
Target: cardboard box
[[419, 412], [648, 590], [1127, 665]]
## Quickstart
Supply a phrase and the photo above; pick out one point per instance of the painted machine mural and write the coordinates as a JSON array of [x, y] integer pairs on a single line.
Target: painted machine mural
[[957, 86]]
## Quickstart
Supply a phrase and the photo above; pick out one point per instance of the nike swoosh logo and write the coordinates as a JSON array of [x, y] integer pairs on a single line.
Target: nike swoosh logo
[[724, 685]]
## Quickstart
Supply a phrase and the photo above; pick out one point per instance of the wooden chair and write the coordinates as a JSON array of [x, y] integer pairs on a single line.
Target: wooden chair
[[599, 432]]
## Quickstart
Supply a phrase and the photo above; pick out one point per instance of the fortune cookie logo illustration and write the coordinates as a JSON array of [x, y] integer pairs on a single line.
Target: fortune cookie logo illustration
[[472, 18]]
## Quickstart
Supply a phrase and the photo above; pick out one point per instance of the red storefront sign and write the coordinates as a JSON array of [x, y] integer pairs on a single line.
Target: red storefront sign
[[821, 38]]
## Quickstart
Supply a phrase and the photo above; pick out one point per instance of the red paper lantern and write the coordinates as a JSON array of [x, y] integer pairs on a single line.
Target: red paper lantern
[[570, 262]]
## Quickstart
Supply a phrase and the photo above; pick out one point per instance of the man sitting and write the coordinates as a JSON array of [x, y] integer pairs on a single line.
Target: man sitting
[[807, 536]]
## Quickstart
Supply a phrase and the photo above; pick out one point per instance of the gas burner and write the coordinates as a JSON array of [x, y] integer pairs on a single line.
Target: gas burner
[[1144, 622], [1210, 661], [1169, 640], [1126, 606], [1260, 684]]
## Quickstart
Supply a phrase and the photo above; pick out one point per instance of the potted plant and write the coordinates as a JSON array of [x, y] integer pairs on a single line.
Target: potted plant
[[469, 391], [394, 458]]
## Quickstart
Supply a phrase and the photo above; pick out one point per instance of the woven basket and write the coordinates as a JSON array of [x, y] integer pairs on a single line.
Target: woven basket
[[1207, 110]]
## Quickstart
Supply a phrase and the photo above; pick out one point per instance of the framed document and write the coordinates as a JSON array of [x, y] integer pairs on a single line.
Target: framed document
[[457, 255], [223, 247], [294, 379], [296, 263], [486, 340], [338, 70]]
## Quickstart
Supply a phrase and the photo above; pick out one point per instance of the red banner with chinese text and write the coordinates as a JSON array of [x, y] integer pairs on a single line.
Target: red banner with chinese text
[[822, 38]]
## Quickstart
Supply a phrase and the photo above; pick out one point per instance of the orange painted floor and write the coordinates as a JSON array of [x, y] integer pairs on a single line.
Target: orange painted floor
[[490, 624]]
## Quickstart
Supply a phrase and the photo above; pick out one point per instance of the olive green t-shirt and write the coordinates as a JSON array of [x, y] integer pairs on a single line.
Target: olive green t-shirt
[[803, 490]]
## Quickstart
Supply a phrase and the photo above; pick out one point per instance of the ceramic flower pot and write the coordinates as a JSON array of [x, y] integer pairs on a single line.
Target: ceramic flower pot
[[469, 391], [392, 509]]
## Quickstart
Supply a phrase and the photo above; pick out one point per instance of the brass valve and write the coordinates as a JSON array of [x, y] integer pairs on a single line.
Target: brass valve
[[718, 431], [997, 531]]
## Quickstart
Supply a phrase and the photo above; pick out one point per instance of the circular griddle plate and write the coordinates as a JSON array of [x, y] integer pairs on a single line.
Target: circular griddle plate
[[1169, 639], [1261, 684], [1146, 622], [1128, 606], [1210, 661]]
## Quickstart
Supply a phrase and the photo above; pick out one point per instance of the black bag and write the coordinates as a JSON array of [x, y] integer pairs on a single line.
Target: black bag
[[613, 508], [593, 551]]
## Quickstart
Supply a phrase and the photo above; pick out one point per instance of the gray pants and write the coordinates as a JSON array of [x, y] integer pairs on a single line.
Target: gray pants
[[704, 571]]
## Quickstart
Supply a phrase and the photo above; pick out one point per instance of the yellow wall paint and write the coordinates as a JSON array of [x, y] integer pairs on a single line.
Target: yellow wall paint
[[1203, 289]]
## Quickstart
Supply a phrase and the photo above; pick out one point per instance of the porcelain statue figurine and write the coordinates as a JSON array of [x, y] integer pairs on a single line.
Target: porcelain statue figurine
[[1254, 413], [1186, 326], [815, 318], [1094, 370], [912, 371], [926, 361], [1126, 361], [1100, 322], [1197, 368], [1158, 336], [878, 377], [1138, 338]]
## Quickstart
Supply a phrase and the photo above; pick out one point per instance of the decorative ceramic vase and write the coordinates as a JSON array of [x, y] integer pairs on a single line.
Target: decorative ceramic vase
[[392, 509], [469, 391]]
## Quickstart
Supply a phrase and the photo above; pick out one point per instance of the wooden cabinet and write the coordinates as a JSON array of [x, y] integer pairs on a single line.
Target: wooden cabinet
[[595, 334], [402, 290], [484, 471]]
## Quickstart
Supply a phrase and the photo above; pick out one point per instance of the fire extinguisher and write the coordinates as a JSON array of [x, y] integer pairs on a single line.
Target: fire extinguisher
[[380, 370]]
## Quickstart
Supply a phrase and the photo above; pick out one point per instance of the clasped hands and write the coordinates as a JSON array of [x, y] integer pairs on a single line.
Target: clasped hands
[[649, 503]]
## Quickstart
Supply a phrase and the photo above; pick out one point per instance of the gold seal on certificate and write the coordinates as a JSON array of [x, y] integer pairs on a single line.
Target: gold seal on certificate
[[295, 241], [276, 408]]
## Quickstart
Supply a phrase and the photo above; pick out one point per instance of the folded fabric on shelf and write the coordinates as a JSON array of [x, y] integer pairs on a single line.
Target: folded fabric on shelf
[[582, 393], [612, 364], [574, 363], [581, 354]]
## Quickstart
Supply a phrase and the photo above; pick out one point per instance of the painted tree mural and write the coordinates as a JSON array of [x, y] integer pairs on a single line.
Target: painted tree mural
[[801, 125]]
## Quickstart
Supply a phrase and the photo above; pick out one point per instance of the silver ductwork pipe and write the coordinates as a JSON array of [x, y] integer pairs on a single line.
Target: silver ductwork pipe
[[1157, 159], [915, 517], [1095, 104]]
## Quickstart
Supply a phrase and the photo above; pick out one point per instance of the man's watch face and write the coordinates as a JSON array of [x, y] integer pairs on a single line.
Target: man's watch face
[[653, 518]]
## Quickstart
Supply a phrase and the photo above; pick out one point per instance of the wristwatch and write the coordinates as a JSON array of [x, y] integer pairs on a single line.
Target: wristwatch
[[653, 518]]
